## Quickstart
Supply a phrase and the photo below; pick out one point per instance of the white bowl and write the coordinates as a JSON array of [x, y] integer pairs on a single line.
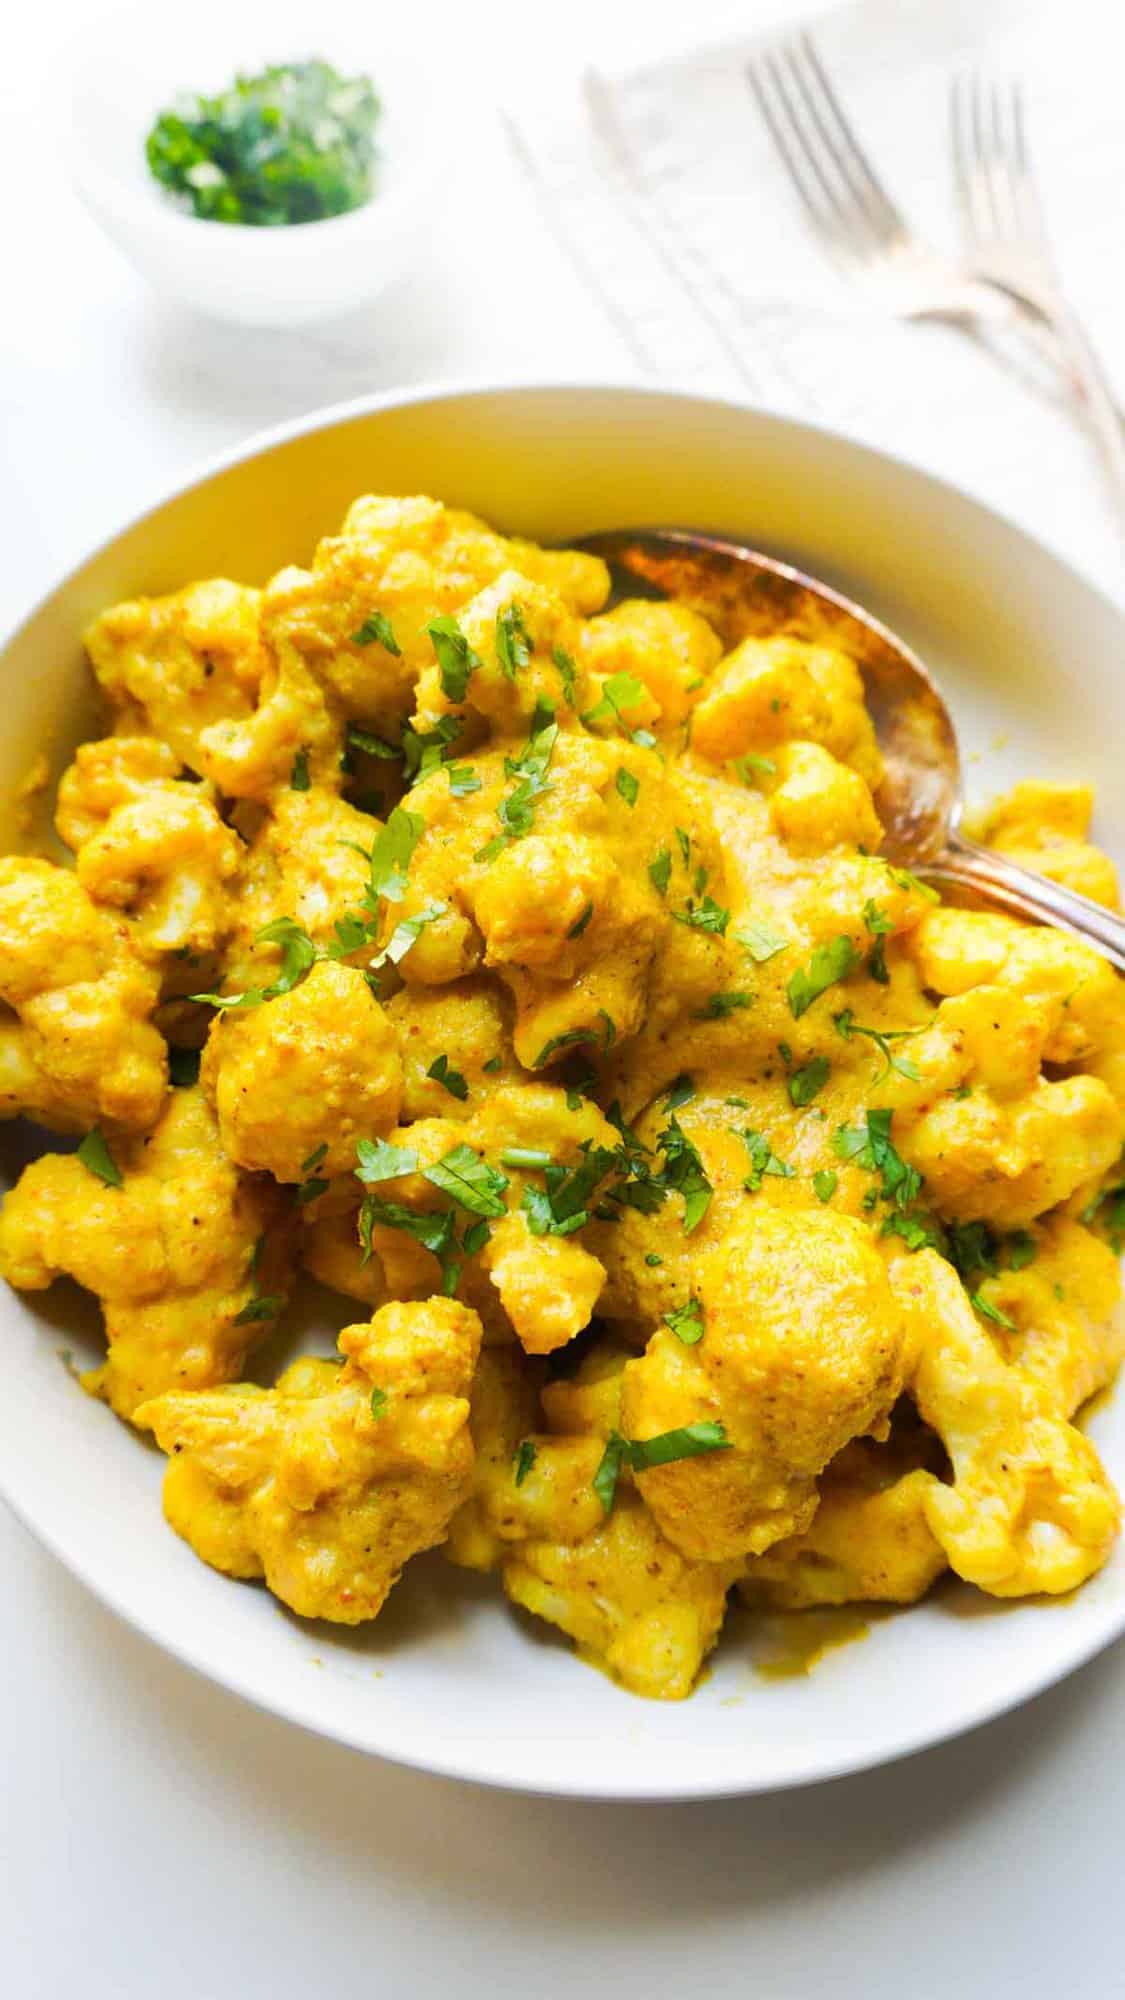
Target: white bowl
[[449, 1678], [131, 64]]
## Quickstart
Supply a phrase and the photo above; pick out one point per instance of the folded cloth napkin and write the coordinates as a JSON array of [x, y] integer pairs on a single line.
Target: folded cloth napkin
[[664, 187]]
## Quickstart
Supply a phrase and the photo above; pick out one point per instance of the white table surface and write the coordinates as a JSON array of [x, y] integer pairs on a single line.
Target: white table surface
[[159, 1837]]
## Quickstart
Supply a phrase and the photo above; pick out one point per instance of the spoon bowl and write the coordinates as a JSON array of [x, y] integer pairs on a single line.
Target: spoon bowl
[[743, 593]]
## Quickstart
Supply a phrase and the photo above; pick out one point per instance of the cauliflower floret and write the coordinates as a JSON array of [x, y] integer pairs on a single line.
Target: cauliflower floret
[[525, 1485], [306, 1074], [984, 1159], [632, 1602], [518, 636], [770, 691], [462, 1023], [306, 862], [196, 668], [166, 861], [669, 648], [869, 1540], [327, 1484], [548, 1285], [78, 1045], [1030, 1507], [331, 1250], [188, 1256], [1064, 1328], [801, 1351], [1065, 983], [113, 771], [1046, 827], [819, 803]]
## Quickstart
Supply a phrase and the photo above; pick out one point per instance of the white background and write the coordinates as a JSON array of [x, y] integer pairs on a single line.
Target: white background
[[157, 1836]]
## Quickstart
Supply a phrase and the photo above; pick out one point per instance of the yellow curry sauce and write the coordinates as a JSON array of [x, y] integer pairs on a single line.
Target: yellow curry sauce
[[721, 1210]]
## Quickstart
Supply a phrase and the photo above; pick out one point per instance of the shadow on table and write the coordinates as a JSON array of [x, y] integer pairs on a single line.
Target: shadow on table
[[545, 1861]]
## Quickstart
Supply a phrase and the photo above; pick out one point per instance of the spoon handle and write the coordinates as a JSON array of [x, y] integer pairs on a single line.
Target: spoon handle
[[998, 880]]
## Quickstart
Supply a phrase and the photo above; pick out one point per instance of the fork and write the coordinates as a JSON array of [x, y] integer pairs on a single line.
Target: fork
[[1006, 243], [858, 224]]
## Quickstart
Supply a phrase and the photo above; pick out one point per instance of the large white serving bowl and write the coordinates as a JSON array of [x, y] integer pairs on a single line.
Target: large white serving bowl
[[449, 1678]]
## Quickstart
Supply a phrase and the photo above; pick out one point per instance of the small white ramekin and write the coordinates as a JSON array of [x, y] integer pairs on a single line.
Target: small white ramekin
[[132, 63]]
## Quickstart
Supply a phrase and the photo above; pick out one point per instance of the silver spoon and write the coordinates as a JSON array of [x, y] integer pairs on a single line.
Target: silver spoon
[[920, 799]]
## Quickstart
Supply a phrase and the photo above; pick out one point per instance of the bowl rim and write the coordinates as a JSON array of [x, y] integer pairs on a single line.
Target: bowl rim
[[472, 1766]]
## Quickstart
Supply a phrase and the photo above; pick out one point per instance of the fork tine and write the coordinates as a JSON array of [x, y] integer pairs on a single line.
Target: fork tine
[[764, 75], [966, 175], [839, 136], [1029, 200]]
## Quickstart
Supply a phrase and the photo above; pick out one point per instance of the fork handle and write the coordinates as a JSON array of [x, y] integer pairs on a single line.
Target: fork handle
[[1070, 341], [964, 865]]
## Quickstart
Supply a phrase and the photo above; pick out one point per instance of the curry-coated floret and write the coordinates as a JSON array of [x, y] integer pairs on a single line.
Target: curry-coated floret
[[869, 1540], [327, 1484], [818, 803], [455, 1047], [772, 691], [526, 1485], [188, 1257], [1061, 1325], [77, 1044], [668, 648], [151, 845], [1030, 1507], [519, 641], [801, 1351], [304, 1076], [641, 1608], [306, 862], [1067, 986], [1046, 827], [196, 670]]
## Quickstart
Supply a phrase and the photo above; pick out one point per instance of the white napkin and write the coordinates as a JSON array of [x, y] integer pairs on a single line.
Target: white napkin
[[663, 184]]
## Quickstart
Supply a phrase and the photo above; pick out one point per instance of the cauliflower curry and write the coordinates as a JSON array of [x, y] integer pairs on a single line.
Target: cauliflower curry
[[721, 1211]]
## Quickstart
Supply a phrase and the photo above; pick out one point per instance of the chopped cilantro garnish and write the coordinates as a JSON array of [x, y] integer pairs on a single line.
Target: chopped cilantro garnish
[[609, 1469], [1022, 1249], [379, 1161], [825, 1182], [292, 143], [681, 1090], [684, 1173], [392, 853], [686, 1322], [299, 775], [513, 641], [469, 1181], [763, 1160], [690, 1441], [751, 764], [805, 1082], [493, 1064], [703, 916], [870, 1147], [97, 1158], [435, 1233], [406, 933], [618, 692], [653, 1258], [476, 1236], [425, 751], [265, 1306], [580, 923], [455, 657], [660, 870], [988, 1311], [569, 671], [906, 880], [372, 746], [627, 785], [828, 964], [298, 956], [524, 1460], [846, 1025], [377, 626], [516, 812], [876, 920], [720, 1005], [683, 841], [918, 1232], [378, 1402], [450, 1079], [761, 942], [462, 780], [529, 1158]]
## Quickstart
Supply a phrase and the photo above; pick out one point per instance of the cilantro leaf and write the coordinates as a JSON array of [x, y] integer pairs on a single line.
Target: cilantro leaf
[[686, 1322], [98, 1160], [871, 1147], [378, 1401], [660, 871], [684, 1174], [987, 1310], [524, 1460], [455, 657], [434, 1232], [265, 1306], [299, 775], [470, 1181], [825, 1182], [565, 663], [681, 1090], [406, 933], [703, 916], [450, 1079], [605, 1478], [761, 942], [627, 785], [828, 964], [379, 1161], [513, 641], [808, 1080], [846, 1025], [392, 853], [298, 956], [516, 812], [463, 780], [618, 691], [668, 1447], [377, 626], [763, 1160], [372, 746], [720, 1005]]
